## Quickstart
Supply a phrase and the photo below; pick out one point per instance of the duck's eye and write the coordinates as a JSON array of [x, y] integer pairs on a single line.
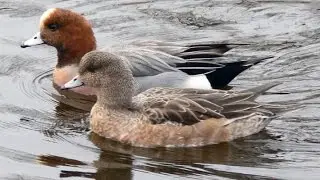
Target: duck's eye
[[53, 26], [91, 69]]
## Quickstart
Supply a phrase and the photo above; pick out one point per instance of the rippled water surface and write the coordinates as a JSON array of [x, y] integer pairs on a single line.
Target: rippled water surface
[[44, 135]]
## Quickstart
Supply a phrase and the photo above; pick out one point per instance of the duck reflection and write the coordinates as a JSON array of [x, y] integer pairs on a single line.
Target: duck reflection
[[246, 151]]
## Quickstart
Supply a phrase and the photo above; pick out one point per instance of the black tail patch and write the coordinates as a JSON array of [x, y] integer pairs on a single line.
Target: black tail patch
[[209, 59]]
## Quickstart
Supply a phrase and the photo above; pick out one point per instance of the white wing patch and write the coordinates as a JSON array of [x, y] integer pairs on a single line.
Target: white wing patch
[[197, 81]]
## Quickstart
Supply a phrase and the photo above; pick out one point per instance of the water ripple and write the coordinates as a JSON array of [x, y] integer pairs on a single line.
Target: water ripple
[[45, 133]]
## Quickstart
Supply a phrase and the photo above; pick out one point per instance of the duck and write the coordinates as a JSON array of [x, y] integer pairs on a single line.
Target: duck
[[195, 65], [166, 116]]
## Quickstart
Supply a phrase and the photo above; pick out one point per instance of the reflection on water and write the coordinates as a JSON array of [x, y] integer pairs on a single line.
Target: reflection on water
[[44, 133], [118, 160]]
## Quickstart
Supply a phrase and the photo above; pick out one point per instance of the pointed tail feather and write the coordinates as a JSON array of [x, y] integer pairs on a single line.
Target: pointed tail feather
[[281, 108], [261, 89]]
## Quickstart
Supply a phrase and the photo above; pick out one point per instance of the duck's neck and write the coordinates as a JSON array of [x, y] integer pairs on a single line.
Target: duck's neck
[[114, 99], [74, 49], [69, 56]]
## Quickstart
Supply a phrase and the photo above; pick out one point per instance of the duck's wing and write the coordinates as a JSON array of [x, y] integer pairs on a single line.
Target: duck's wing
[[144, 61], [189, 106], [148, 58], [162, 105]]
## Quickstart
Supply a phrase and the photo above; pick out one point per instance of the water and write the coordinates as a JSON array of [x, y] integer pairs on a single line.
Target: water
[[44, 135]]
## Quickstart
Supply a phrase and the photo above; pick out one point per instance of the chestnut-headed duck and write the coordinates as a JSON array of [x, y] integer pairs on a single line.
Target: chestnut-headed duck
[[194, 66], [165, 117]]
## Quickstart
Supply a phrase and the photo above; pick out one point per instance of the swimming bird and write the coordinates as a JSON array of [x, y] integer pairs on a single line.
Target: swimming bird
[[163, 116], [199, 65]]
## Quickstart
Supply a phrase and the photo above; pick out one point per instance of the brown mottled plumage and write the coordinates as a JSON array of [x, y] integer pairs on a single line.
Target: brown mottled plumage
[[167, 117]]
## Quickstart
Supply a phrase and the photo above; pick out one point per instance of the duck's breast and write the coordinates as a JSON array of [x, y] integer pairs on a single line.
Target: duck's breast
[[62, 75]]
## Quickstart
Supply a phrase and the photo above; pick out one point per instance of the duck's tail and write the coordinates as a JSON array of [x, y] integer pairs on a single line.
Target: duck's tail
[[209, 59], [276, 109], [221, 77], [257, 91], [252, 121]]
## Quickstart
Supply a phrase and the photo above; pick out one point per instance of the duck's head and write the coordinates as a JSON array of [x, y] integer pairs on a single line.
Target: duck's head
[[69, 32], [107, 74]]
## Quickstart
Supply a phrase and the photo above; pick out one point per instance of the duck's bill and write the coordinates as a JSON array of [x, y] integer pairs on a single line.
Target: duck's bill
[[35, 40], [73, 83]]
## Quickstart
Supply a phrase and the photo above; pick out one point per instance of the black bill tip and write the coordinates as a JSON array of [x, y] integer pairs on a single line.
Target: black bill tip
[[24, 46], [63, 88]]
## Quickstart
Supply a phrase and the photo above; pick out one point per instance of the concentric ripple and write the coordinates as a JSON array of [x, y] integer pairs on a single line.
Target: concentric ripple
[[37, 87]]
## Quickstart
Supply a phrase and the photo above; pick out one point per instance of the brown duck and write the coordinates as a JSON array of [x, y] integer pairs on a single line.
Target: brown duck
[[165, 117]]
